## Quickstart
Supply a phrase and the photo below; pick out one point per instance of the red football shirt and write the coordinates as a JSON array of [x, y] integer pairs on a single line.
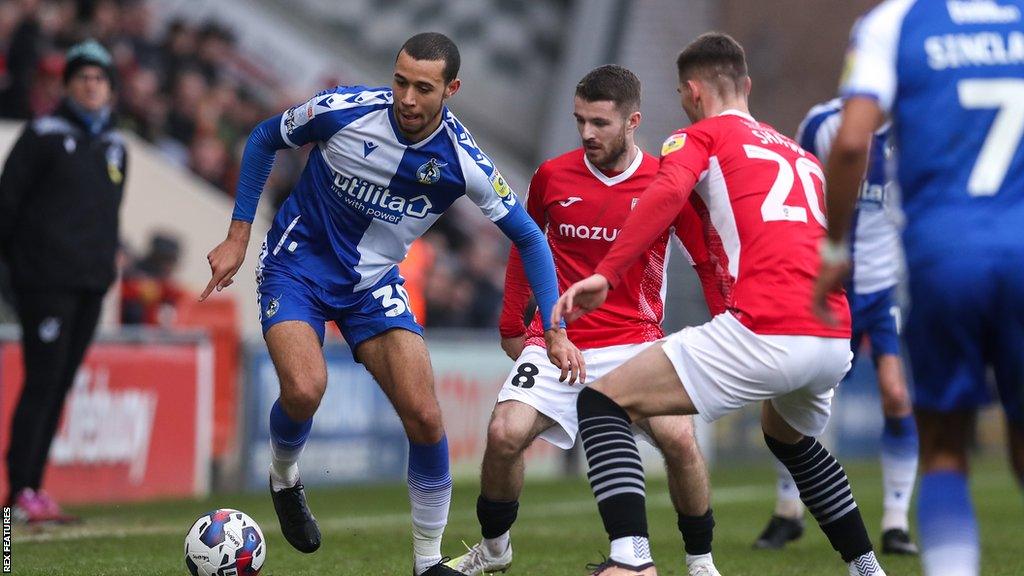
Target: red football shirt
[[583, 210], [761, 198]]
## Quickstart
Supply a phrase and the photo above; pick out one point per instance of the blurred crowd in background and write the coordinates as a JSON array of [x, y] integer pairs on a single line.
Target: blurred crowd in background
[[186, 88]]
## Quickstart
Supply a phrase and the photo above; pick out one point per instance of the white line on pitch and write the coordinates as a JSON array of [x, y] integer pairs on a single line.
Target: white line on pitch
[[728, 495]]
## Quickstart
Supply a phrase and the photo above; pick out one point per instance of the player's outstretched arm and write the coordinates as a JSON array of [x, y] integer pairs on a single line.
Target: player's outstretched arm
[[517, 288], [257, 162], [846, 163], [540, 271]]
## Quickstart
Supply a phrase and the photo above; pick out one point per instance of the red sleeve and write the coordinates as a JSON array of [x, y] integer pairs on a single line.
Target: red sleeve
[[684, 158], [517, 288]]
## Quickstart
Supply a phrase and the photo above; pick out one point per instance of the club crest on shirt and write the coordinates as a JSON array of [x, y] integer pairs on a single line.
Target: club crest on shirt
[[674, 142], [430, 171], [115, 159], [273, 307], [502, 189]]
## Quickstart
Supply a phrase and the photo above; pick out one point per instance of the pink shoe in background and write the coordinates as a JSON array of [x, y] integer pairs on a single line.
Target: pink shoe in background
[[28, 509], [52, 510]]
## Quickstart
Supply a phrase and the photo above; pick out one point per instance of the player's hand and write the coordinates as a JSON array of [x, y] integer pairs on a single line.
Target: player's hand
[[582, 297], [513, 347], [831, 277], [564, 355], [226, 258]]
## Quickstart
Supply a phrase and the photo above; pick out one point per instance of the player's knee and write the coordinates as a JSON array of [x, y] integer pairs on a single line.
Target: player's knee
[[896, 403], [301, 397], [944, 461], [895, 398], [679, 445], [942, 456], [944, 441], [425, 425], [505, 437]]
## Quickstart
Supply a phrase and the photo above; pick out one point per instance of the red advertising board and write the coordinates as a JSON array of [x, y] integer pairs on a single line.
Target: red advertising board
[[136, 423]]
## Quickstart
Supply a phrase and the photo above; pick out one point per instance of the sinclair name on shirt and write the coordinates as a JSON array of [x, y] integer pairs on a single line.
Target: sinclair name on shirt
[[978, 49], [378, 201]]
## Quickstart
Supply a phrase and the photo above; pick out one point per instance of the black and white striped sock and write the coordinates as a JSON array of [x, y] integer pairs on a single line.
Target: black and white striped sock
[[616, 473], [825, 490]]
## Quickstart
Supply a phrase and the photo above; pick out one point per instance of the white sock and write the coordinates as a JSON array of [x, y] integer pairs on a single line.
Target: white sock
[[950, 560], [426, 547], [895, 519], [787, 495], [497, 546], [284, 466], [430, 498], [631, 550], [699, 559], [866, 565], [898, 475]]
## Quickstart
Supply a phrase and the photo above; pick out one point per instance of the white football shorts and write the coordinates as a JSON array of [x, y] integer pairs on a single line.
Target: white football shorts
[[725, 366], [534, 381]]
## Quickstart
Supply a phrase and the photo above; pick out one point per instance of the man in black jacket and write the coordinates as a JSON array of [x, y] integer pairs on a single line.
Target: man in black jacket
[[60, 193]]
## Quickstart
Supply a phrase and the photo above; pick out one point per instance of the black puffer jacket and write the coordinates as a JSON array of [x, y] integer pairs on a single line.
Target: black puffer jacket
[[60, 195]]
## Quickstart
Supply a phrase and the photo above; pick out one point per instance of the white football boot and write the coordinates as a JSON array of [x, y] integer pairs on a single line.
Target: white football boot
[[477, 561], [703, 567]]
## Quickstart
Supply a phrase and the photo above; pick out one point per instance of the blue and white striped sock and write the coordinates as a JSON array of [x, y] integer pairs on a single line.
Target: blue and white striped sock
[[287, 438], [899, 470], [430, 493], [945, 518]]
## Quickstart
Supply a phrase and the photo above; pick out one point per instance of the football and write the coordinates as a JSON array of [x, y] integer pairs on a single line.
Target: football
[[225, 542]]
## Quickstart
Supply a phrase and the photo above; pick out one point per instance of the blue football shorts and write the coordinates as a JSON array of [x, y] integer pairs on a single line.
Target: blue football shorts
[[283, 296], [966, 321], [877, 316]]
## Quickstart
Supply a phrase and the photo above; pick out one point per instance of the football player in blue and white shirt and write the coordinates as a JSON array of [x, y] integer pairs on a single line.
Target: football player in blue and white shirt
[[950, 77], [386, 163], [875, 246]]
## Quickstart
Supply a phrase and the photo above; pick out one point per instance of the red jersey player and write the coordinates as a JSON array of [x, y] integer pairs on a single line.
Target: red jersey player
[[582, 198], [762, 195]]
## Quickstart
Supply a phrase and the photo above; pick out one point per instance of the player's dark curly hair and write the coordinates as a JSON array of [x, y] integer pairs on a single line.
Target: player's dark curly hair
[[434, 46], [614, 83], [716, 57]]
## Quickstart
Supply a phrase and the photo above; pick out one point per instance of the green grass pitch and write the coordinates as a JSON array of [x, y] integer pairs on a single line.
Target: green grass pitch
[[366, 531]]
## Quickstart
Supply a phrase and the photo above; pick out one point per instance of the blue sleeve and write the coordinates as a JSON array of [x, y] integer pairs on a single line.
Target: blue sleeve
[[537, 260], [257, 162]]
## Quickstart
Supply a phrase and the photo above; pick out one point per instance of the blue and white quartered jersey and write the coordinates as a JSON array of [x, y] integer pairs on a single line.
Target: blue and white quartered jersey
[[875, 234], [951, 76], [366, 194]]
